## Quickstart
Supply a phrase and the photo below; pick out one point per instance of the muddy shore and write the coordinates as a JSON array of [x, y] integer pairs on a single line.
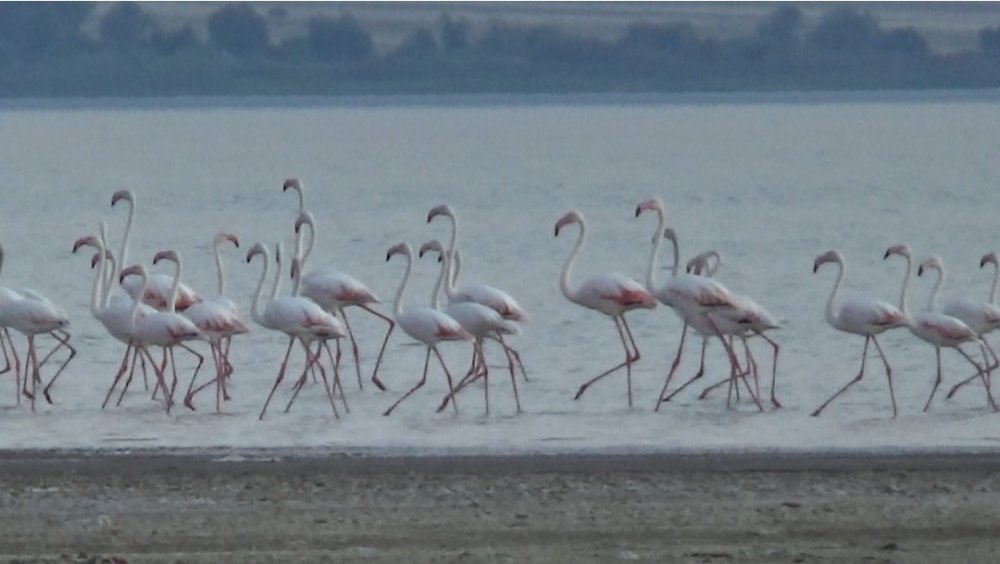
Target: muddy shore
[[270, 507]]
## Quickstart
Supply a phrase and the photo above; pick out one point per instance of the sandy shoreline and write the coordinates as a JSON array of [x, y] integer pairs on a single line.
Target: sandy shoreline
[[757, 507]]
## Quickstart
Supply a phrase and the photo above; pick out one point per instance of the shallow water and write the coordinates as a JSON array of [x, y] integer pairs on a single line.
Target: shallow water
[[768, 182]]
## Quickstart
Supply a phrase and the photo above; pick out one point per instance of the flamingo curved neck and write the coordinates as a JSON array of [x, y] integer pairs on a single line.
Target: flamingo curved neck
[[831, 315], [255, 307], [174, 288], [455, 265], [109, 278], [397, 306], [567, 269], [123, 255], [713, 268], [304, 255], [99, 280], [454, 232], [137, 301], [932, 302], [277, 273], [996, 281], [442, 276], [219, 271], [655, 251]]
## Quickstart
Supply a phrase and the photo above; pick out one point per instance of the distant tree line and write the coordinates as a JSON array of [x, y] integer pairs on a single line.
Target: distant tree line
[[44, 51]]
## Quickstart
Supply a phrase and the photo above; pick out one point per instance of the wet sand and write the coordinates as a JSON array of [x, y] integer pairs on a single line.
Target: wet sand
[[271, 507]]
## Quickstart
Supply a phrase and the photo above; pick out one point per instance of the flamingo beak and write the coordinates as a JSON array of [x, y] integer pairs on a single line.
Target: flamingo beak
[[920, 270]]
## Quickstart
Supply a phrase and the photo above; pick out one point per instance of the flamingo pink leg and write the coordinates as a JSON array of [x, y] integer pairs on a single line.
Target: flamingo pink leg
[[627, 364], [378, 362], [312, 362], [139, 358], [280, 377], [64, 340], [977, 375], [5, 336], [420, 383]]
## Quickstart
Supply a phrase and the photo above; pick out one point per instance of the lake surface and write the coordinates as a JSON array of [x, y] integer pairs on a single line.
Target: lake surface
[[769, 182]]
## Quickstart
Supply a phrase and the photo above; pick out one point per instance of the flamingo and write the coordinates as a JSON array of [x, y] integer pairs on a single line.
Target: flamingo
[[693, 299], [29, 312], [159, 286], [756, 322], [335, 291], [479, 321], [611, 294], [219, 320], [299, 318], [424, 324], [114, 311], [859, 316], [165, 329], [938, 329], [982, 317]]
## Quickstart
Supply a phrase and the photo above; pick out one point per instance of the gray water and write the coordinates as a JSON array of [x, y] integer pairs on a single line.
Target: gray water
[[770, 182]]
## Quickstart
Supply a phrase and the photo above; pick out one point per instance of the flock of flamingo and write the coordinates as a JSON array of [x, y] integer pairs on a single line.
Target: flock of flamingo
[[154, 312]]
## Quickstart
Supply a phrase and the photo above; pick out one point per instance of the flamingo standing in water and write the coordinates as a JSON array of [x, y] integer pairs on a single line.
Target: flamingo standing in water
[[424, 324], [158, 285], [489, 296], [299, 318], [334, 291], [755, 323], [219, 320], [480, 321], [982, 317], [164, 329], [937, 329], [860, 316], [611, 294], [700, 302], [114, 311], [31, 314]]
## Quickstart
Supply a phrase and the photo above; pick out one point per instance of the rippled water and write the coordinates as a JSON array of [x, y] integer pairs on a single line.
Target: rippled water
[[769, 182]]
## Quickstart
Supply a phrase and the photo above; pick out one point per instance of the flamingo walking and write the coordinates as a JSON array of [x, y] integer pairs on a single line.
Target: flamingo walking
[[301, 319], [982, 317], [701, 303], [480, 321], [864, 316], [335, 291], [424, 324], [611, 294]]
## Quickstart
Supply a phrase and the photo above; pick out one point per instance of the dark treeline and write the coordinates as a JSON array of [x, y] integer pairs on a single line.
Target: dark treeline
[[45, 52]]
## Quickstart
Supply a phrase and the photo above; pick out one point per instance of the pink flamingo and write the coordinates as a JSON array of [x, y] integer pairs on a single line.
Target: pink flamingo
[[30, 313], [335, 291], [982, 317], [300, 318], [860, 316], [479, 321], [424, 324], [938, 329], [611, 294], [700, 302], [159, 286], [164, 329], [219, 320]]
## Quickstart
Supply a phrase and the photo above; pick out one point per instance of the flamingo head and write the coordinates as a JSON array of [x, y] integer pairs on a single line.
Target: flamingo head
[[222, 237], [670, 234], [991, 257], [305, 218], [699, 263], [433, 245], [829, 256], [167, 255], [292, 183], [901, 250], [97, 258], [89, 240], [256, 249], [443, 209], [653, 204], [934, 262], [137, 269], [571, 217], [398, 249], [126, 195]]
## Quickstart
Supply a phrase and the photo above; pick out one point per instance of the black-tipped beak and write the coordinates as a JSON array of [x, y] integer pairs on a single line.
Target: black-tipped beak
[[387, 255], [887, 253], [982, 262], [638, 210], [920, 270], [815, 268], [557, 231]]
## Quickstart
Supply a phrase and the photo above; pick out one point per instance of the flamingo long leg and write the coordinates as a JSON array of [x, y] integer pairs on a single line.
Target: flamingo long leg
[[447, 373], [142, 364], [627, 365], [697, 375], [983, 373], [855, 380], [5, 335], [423, 379], [975, 376], [774, 368], [378, 362], [313, 362], [478, 362], [191, 390], [279, 378], [354, 348], [937, 379], [337, 385], [33, 354], [888, 374], [72, 353], [673, 368], [512, 354], [122, 368]]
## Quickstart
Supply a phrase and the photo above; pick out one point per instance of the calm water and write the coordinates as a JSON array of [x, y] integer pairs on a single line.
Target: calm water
[[769, 182]]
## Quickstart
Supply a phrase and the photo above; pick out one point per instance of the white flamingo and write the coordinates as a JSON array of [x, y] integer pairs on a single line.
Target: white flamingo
[[479, 321], [30, 313], [939, 329], [335, 291], [860, 316], [424, 324], [158, 285], [701, 303], [756, 322], [611, 294], [164, 329], [299, 318], [982, 317], [113, 310]]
